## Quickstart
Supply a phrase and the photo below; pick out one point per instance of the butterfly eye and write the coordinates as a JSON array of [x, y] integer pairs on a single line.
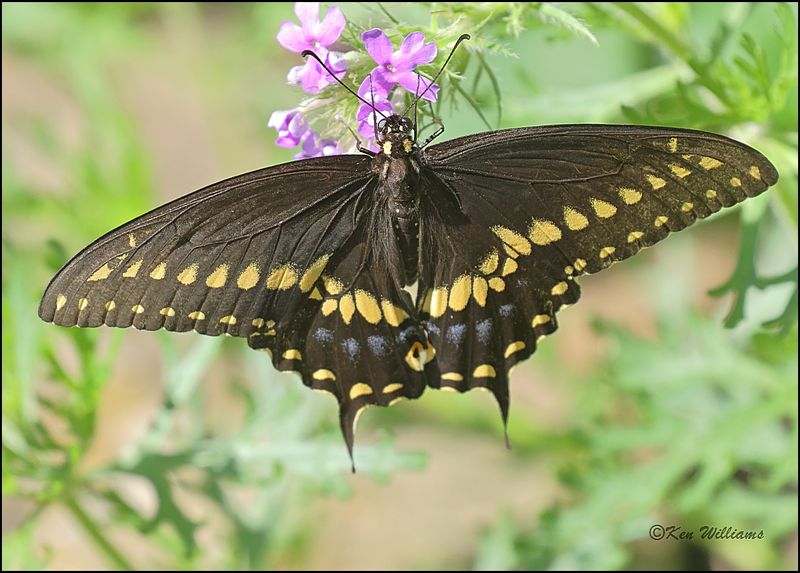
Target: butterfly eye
[[381, 125]]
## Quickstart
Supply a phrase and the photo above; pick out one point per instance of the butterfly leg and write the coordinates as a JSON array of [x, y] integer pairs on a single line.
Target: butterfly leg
[[359, 143], [365, 150], [439, 131]]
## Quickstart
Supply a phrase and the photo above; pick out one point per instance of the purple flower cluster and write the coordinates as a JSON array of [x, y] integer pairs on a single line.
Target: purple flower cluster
[[394, 68], [293, 131], [317, 36]]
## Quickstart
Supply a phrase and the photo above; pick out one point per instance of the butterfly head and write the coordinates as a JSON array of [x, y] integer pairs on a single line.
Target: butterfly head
[[396, 135]]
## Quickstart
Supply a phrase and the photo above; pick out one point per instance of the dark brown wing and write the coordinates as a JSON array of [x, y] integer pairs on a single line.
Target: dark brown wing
[[278, 256], [360, 342], [515, 216], [218, 259]]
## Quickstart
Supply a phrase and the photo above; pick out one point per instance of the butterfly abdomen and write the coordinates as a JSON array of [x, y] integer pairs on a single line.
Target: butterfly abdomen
[[400, 184]]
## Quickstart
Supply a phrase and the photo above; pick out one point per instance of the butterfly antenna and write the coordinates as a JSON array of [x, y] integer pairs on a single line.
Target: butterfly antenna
[[307, 53], [461, 38]]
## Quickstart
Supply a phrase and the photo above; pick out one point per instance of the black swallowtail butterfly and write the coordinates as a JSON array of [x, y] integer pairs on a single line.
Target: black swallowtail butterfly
[[311, 261]]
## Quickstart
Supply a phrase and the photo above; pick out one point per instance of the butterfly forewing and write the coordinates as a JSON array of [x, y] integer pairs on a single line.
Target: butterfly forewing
[[217, 260], [599, 193]]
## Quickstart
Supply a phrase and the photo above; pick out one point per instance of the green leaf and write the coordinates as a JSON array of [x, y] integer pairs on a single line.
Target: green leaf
[[565, 19]]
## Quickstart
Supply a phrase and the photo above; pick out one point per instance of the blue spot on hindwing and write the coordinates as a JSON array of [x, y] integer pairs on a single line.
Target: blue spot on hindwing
[[456, 333], [378, 345], [484, 330], [351, 347], [324, 336]]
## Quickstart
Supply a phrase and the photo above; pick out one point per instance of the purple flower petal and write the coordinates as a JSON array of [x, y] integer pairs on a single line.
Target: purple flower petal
[[412, 43], [381, 104], [286, 141], [291, 127], [291, 37], [367, 118], [311, 34], [312, 77], [337, 63], [365, 128], [276, 120], [329, 30], [371, 145], [381, 85], [310, 147], [295, 75], [378, 45], [329, 147], [308, 14], [397, 67], [413, 52], [314, 147], [416, 84], [297, 126]]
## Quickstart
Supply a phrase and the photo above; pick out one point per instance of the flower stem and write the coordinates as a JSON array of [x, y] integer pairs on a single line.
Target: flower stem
[[111, 552], [675, 45]]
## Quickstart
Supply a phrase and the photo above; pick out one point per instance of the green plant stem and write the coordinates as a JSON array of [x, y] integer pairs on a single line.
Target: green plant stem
[[387, 14], [668, 38], [674, 44], [101, 540], [741, 279]]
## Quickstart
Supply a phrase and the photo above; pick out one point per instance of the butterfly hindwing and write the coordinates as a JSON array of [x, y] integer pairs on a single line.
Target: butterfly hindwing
[[359, 341], [487, 301]]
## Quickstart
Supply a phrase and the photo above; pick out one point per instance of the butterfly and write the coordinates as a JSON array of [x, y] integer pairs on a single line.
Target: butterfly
[[376, 276]]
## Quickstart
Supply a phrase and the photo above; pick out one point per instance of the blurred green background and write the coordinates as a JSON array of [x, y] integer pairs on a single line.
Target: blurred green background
[[127, 449]]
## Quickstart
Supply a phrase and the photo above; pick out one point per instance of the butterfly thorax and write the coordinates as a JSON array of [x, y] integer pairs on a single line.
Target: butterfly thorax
[[398, 167]]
